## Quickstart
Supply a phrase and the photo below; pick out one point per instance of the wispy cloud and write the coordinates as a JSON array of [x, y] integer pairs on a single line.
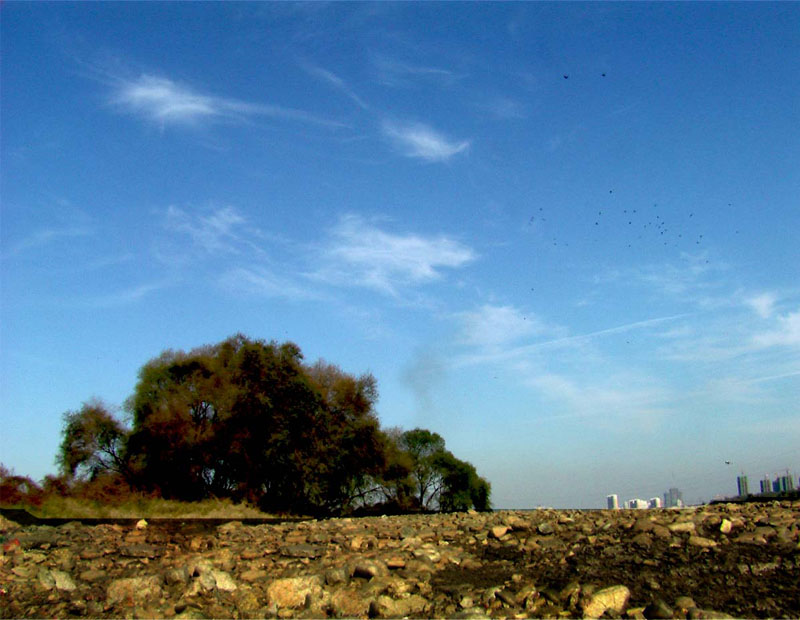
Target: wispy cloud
[[164, 101], [125, 296], [609, 397], [335, 81], [398, 74], [785, 334], [361, 254], [503, 108], [260, 281], [490, 326], [763, 304], [557, 339], [222, 230], [45, 237], [422, 142]]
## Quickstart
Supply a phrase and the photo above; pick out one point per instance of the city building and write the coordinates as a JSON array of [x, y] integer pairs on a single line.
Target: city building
[[612, 501], [636, 504], [782, 484], [766, 485], [655, 502], [741, 484], [673, 498]]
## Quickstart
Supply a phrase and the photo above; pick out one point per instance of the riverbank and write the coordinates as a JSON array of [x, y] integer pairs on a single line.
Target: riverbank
[[739, 560]]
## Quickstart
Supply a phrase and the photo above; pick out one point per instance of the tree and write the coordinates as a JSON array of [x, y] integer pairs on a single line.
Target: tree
[[247, 419], [423, 447], [441, 481], [461, 487], [93, 442]]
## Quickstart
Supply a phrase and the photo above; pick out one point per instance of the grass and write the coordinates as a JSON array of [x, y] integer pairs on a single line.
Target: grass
[[141, 508]]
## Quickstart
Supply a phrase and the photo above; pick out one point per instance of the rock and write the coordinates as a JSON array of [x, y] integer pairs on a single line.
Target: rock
[[46, 579], [394, 562], [682, 526], [139, 550], [223, 580], [230, 528], [613, 599], [12, 546], [545, 529], [302, 550], [63, 580], [751, 538], [498, 531], [350, 602], [253, 575], [177, 575], [658, 610], [247, 603], [25, 571], [141, 524], [706, 614], [367, 569], [134, 590], [451, 565], [191, 613], [726, 526], [685, 603], [387, 607], [506, 597], [699, 541], [93, 575], [642, 540], [336, 575], [292, 591]]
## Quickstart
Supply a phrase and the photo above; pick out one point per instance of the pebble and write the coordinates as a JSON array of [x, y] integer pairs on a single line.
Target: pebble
[[514, 564]]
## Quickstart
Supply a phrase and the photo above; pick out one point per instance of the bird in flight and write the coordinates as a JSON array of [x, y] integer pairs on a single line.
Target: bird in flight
[[727, 462]]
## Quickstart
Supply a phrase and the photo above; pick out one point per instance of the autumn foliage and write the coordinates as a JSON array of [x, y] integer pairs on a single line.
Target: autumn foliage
[[248, 420]]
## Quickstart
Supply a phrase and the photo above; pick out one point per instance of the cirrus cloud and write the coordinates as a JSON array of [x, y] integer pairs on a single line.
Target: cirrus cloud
[[361, 254], [422, 142], [165, 101]]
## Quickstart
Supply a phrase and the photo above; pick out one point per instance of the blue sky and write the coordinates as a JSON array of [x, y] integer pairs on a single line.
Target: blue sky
[[564, 236]]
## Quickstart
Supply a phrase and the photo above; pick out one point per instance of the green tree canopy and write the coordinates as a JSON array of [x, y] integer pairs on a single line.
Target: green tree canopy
[[440, 480]]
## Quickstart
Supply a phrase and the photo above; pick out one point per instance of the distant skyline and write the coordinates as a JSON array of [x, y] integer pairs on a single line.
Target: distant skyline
[[564, 236]]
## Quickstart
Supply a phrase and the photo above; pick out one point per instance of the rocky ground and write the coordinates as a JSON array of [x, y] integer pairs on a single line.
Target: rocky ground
[[708, 562]]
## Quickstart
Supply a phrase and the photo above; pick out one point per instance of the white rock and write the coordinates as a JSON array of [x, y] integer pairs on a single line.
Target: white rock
[[292, 591], [63, 581], [224, 581], [682, 526], [614, 599]]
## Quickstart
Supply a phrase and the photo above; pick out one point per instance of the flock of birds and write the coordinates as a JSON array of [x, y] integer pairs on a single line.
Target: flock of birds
[[646, 225]]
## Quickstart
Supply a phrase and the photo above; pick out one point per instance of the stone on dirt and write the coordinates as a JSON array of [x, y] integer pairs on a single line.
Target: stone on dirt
[[705, 562]]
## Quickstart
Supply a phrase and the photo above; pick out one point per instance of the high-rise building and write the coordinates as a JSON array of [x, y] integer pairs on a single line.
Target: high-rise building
[[612, 501], [655, 502], [673, 498], [741, 483], [782, 484], [766, 485], [635, 504]]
